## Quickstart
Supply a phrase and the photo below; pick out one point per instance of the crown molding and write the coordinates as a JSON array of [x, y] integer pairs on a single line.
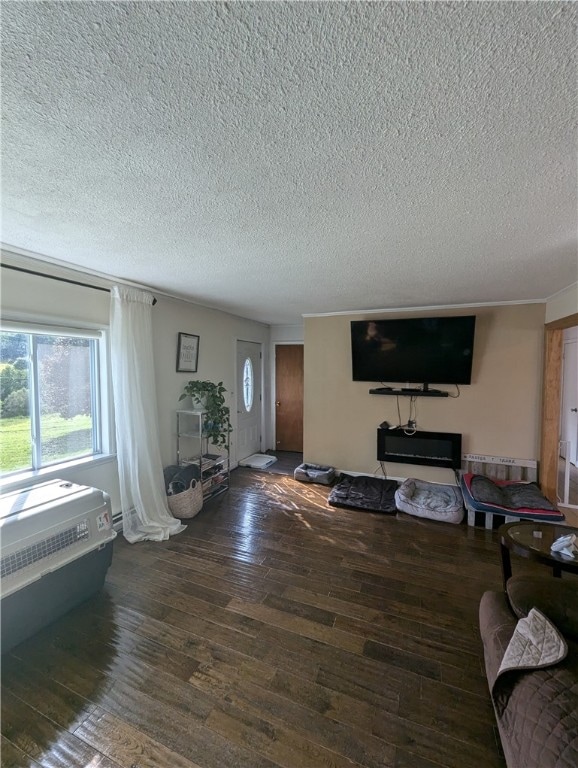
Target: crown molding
[[427, 308], [572, 286]]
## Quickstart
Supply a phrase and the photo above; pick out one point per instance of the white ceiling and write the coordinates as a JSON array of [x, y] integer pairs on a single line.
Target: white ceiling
[[274, 159]]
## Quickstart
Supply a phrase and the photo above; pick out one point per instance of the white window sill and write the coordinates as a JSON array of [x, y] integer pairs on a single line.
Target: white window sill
[[32, 477]]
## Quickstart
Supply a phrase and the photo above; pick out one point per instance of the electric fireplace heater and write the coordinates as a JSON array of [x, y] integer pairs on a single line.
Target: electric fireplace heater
[[434, 449]]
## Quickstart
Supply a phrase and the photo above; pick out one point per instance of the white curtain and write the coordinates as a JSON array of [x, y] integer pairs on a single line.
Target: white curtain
[[145, 514]]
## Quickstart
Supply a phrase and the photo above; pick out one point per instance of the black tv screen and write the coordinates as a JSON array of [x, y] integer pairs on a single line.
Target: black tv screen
[[419, 350]]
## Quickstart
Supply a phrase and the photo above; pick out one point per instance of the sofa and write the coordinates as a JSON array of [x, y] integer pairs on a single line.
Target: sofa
[[537, 707]]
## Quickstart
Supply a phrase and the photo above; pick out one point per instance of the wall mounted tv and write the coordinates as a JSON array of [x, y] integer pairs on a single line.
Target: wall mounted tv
[[417, 350]]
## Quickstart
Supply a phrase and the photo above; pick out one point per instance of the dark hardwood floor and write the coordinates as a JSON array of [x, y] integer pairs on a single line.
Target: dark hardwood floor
[[286, 464], [275, 631]]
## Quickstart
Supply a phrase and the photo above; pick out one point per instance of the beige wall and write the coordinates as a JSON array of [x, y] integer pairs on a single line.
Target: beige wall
[[26, 296], [218, 334], [498, 414]]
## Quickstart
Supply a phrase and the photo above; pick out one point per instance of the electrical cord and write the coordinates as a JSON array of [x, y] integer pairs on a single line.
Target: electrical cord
[[411, 427], [407, 429], [458, 393]]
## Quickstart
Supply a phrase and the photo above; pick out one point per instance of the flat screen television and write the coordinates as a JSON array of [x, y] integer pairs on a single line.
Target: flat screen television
[[417, 350]]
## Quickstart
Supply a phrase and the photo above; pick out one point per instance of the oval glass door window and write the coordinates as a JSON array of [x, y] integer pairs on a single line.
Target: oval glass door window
[[248, 384]]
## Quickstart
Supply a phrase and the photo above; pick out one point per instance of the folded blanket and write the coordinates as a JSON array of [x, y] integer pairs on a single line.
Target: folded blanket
[[535, 644]]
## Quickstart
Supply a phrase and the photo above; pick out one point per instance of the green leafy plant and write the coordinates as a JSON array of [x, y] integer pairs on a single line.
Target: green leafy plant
[[209, 397]]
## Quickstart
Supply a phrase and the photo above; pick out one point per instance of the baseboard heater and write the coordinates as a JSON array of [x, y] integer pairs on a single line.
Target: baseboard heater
[[56, 546], [433, 449]]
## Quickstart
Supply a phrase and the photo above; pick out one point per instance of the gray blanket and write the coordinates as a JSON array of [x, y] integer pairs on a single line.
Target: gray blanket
[[512, 496], [364, 492]]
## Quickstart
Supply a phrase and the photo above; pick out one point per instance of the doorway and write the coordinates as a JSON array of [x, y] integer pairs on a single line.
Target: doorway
[[552, 405], [567, 471], [249, 399], [289, 397], [569, 412]]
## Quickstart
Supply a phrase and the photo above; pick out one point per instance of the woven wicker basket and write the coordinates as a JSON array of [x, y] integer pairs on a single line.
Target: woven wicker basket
[[188, 503]]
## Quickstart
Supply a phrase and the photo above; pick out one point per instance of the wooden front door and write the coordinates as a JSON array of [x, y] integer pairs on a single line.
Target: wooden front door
[[289, 397]]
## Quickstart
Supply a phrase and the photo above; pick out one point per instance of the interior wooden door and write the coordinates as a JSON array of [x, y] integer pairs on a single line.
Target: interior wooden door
[[289, 397]]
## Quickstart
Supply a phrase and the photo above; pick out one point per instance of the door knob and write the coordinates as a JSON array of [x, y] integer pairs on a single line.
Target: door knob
[[573, 410], [277, 403]]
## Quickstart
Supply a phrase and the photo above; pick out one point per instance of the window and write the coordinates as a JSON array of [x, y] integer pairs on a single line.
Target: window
[[50, 405], [248, 384]]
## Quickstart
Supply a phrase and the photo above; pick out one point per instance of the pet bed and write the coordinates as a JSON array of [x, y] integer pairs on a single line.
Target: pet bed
[[314, 473], [506, 497], [364, 492], [258, 461], [431, 500]]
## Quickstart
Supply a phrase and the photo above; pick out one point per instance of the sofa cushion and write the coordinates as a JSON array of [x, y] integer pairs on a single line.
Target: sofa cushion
[[555, 598]]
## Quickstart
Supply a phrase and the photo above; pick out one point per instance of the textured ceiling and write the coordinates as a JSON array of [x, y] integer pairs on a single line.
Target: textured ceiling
[[274, 159]]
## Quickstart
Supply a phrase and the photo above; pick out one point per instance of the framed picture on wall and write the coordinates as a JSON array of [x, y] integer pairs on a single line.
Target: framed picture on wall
[[187, 353]]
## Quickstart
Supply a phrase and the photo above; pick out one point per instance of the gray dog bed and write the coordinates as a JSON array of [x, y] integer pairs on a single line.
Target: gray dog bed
[[314, 473], [436, 502]]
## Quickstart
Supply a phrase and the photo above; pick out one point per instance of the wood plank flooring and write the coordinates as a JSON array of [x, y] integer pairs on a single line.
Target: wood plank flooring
[[286, 464], [275, 631]]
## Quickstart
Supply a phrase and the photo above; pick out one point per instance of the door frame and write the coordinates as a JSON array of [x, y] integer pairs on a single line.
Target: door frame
[[298, 343], [234, 458], [551, 403]]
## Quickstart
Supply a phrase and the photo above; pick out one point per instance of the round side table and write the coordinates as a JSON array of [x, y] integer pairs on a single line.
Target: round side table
[[532, 540]]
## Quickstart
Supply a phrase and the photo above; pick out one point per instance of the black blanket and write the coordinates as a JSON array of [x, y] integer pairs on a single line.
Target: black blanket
[[364, 492]]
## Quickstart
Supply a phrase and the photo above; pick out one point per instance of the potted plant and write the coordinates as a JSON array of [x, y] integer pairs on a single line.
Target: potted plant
[[208, 397]]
